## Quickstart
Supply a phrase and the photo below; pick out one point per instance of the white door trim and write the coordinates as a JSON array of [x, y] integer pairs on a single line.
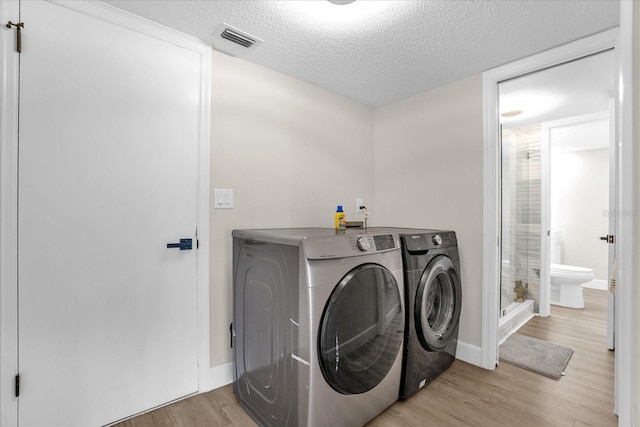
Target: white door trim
[[621, 40], [625, 335], [9, 10], [544, 304]]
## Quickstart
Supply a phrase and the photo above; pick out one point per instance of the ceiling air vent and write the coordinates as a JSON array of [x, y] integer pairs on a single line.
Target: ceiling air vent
[[234, 41], [237, 38]]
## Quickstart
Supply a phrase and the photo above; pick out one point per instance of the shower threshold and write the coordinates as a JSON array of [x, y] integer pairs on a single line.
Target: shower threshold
[[517, 314]]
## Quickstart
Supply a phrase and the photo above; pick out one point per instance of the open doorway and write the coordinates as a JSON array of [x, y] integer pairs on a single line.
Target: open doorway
[[548, 197], [621, 39]]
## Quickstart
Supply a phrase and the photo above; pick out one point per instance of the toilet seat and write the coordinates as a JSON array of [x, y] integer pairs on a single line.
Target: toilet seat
[[571, 272], [566, 284]]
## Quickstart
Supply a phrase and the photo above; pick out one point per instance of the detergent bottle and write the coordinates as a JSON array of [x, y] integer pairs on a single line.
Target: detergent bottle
[[341, 221]]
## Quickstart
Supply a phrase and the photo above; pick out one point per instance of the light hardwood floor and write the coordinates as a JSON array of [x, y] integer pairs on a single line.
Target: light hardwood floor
[[466, 395]]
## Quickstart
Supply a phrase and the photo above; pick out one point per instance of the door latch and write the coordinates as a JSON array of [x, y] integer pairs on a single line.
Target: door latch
[[184, 245], [608, 238]]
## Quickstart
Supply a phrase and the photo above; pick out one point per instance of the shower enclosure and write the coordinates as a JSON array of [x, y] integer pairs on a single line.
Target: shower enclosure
[[521, 214]]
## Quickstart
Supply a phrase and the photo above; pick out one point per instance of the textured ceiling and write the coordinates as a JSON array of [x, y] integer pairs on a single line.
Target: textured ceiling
[[378, 52]]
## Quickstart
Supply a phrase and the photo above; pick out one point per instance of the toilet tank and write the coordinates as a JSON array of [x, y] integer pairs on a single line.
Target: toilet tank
[[555, 243]]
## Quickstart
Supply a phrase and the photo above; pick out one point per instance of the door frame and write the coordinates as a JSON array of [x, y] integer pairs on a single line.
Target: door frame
[[621, 40], [9, 83]]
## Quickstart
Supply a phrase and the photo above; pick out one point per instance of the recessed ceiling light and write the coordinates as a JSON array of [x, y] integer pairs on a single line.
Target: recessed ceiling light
[[330, 18], [511, 113], [528, 104]]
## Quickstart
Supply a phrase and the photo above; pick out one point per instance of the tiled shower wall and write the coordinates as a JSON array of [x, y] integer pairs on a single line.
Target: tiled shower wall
[[521, 210]]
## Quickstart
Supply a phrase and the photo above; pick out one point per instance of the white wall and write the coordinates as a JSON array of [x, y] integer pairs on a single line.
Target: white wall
[[580, 207], [291, 152], [428, 159], [636, 213]]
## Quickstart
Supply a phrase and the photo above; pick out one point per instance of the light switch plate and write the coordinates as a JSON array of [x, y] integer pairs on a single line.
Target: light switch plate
[[222, 198]]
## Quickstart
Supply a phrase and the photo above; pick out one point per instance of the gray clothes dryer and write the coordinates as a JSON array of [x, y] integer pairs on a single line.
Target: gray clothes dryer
[[318, 325], [433, 301]]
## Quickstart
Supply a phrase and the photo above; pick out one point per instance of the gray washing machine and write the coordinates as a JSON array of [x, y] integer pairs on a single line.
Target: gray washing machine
[[318, 325]]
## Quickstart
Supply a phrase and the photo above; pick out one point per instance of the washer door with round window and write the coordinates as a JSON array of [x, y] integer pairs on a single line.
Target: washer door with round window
[[361, 329], [437, 306]]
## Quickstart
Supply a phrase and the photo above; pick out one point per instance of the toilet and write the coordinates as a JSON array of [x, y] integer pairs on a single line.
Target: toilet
[[566, 284], [566, 280]]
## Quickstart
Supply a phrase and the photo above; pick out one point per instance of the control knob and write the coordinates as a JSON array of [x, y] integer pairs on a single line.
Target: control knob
[[436, 239], [363, 244]]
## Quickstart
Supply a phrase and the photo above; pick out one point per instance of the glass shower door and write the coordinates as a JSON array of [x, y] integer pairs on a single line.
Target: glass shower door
[[521, 213]]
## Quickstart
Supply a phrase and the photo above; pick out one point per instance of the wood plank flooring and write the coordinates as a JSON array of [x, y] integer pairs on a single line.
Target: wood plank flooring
[[466, 395]]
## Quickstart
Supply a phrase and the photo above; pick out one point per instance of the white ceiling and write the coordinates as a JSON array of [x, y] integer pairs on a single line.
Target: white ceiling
[[378, 52], [590, 135]]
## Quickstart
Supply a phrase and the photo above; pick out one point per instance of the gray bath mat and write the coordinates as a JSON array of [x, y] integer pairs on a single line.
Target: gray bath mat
[[536, 355]]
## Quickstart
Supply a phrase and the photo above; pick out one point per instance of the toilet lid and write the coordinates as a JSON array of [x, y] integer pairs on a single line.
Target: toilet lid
[[562, 268]]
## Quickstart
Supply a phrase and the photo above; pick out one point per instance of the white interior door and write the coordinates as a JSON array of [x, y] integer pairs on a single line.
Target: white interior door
[[107, 177], [611, 299]]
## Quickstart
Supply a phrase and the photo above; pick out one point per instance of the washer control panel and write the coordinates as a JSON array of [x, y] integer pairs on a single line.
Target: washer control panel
[[423, 242], [384, 242], [350, 244]]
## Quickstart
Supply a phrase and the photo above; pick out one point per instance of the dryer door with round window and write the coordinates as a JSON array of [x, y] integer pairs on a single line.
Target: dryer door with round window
[[437, 306], [361, 330]]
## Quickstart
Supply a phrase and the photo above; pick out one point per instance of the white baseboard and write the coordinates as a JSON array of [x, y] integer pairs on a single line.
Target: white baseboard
[[469, 353], [602, 285], [221, 375]]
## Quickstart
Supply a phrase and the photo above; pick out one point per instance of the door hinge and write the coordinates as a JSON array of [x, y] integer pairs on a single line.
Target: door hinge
[[18, 385], [19, 26], [609, 238]]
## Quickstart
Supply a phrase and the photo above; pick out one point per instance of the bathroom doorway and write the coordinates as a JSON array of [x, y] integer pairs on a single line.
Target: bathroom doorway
[[578, 158], [624, 191], [560, 109]]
